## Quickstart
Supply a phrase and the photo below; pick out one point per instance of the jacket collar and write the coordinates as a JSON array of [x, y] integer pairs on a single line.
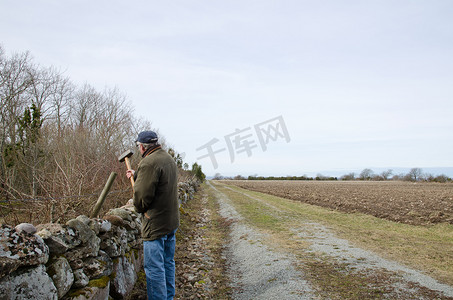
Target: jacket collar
[[151, 150]]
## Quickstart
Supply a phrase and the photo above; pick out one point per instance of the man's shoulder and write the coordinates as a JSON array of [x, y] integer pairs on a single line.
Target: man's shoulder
[[159, 156]]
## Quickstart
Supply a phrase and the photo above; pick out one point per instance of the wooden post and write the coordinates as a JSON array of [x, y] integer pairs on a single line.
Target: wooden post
[[103, 195]]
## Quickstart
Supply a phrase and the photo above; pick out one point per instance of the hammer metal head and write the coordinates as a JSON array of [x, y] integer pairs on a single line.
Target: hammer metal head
[[125, 154]]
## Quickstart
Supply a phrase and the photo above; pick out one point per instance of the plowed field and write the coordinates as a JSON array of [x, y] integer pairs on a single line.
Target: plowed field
[[405, 202]]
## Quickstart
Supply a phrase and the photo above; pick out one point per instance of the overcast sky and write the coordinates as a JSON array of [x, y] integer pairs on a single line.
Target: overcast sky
[[271, 87]]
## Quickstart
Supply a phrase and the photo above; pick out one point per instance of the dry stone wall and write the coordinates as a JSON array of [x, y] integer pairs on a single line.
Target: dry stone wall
[[82, 259]]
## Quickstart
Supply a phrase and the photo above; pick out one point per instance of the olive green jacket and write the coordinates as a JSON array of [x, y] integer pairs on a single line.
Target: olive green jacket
[[156, 194]]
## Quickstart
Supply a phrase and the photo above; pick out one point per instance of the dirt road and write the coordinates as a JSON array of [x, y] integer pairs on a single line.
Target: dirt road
[[256, 271], [275, 253]]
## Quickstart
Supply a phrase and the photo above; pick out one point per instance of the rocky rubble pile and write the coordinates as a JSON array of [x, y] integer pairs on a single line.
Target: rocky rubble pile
[[193, 272], [186, 190], [82, 259], [200, 263]]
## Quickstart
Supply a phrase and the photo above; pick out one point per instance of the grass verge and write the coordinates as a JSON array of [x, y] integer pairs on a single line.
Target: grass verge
[[217, 232], [197, 238]]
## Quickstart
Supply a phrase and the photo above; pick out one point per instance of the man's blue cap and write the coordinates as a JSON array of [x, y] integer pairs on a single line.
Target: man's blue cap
[[147, 137]]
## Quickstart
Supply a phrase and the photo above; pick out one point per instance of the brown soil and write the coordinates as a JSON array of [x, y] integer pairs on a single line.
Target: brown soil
[[405, 202]]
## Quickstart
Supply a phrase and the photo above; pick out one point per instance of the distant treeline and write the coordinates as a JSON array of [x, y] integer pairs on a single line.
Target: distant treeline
[[290, 178], [415, 174]]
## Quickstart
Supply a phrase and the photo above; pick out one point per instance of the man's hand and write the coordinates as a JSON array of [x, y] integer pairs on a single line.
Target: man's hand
[[130, 173]]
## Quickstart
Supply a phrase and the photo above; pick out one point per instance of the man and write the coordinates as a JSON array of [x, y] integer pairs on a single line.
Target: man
[[156, 197]]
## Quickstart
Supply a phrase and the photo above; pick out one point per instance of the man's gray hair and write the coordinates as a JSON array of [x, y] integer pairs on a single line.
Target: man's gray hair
[[148, 145]]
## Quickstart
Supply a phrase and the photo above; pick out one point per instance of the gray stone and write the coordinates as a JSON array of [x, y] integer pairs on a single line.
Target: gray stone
[[75, 263], [80, 279], [84, 219], [90, 242], [84, 231], [106, 226], [125, 277], [18, 249], [111, 247], [129, 204], [27, 227], [95, 225], [28, 283], [138, 221], [136, 256], [59, 238], [96, 267], [97, 289], [130, 208], [90, 248], [61, 273], [130, 236], [186, 191], [44, 234], [130, 225], [121, 212], [114, 242], [137, 244], [114, 220]]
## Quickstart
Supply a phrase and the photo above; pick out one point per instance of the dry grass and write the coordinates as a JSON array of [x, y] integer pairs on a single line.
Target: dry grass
[[217, 233], [213, 233]]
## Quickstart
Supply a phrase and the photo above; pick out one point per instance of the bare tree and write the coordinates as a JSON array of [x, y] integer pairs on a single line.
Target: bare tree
[[415, 174], [15, 80], [85, 108], [218, 176], [350, 176], [60, 102], [115, 121], [366, 174], [386, 174]]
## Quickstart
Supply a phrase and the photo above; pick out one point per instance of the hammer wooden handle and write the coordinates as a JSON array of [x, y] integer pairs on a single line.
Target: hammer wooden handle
[[128, 165]]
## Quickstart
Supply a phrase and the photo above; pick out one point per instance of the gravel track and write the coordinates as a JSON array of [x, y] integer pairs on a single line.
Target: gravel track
[[256, 272]]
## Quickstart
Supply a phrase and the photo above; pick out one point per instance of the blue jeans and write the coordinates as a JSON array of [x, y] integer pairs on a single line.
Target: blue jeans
[[159, 267]]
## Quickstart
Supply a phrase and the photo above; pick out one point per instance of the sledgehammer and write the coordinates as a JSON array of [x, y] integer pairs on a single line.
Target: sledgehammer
[[125, 157]]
